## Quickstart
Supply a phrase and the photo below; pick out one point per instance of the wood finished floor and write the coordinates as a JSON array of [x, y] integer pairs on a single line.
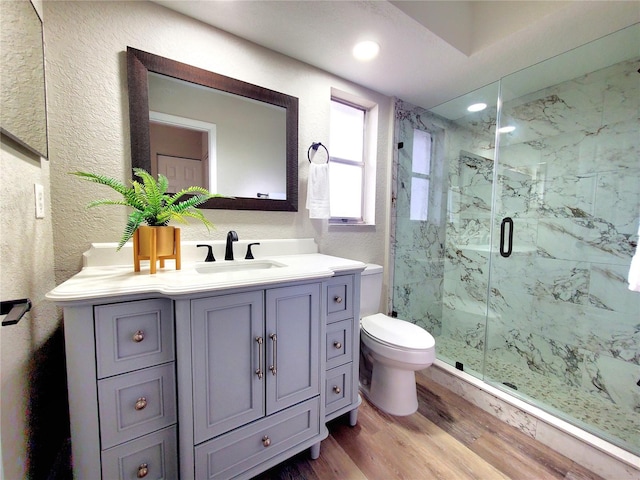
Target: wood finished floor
[[448, 438]]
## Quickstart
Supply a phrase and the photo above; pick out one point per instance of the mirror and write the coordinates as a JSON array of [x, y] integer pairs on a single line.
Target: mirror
[[23, 116], [201, 128]]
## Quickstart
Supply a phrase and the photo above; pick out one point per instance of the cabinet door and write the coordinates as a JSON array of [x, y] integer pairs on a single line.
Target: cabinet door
[[227, 353], [293, 345]]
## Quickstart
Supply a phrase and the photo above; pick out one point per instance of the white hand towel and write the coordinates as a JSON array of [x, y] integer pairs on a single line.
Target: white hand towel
[[318, 190], [634, 270]]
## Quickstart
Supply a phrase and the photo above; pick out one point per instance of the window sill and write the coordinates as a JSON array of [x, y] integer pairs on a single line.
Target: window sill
[[354, 226]]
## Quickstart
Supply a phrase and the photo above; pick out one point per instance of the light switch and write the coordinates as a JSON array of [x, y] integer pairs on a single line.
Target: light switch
[[39, 194]]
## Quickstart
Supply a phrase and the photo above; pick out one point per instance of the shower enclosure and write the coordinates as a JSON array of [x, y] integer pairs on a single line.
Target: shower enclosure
[[514, 231]]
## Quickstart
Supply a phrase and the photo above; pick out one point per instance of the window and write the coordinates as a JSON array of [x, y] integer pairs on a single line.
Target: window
[[420, 175], [352, 164]]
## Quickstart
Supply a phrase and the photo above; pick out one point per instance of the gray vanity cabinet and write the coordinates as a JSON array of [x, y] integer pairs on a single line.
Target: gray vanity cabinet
[[215, 383], [342, 306], [122, 393], [256, 378]]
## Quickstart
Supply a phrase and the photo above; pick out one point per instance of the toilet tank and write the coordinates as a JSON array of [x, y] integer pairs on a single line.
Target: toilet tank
[[370, 290]]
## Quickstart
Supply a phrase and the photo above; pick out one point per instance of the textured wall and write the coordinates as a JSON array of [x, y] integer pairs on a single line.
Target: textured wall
[[26, 254], [85, 44], [26, 251], [89, 122]]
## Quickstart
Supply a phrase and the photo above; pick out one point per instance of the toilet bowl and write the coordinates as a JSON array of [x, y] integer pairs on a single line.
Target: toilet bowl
[[391, 351]]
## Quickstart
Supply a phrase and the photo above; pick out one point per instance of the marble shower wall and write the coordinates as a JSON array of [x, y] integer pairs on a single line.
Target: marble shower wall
[[430, 268], [569, 177], [418, 246]]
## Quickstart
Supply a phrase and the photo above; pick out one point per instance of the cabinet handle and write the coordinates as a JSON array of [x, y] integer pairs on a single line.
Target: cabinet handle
[[336, 389], [338, 345], [143, 470], [259, 371], [266, 441], [273, 367], [337, 299], [138, 336], [141, 403]]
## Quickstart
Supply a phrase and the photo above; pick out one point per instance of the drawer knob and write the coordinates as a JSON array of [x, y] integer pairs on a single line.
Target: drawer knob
[[143, 470], [336, 389], [266, 441], [338, 345], [337, 299], [138, 336], [141, 403]]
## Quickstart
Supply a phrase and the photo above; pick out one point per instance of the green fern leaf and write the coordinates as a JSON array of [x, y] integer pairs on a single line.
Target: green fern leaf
[[150, 202]]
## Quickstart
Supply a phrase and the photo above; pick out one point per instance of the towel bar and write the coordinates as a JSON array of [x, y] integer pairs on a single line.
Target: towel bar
[[315, 146], [14, 310]]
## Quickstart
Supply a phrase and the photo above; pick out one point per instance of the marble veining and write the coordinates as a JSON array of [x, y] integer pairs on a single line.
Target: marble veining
[[557, 313], [595, 411]]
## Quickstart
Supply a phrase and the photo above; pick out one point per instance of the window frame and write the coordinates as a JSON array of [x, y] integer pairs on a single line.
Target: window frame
[[419, 175], [368, 161]]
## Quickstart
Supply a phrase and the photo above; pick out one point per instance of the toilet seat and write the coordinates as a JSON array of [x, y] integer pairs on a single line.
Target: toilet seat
[[396, 333]]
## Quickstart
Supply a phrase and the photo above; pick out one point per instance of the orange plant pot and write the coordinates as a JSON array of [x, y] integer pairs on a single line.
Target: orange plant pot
[[156, 244]]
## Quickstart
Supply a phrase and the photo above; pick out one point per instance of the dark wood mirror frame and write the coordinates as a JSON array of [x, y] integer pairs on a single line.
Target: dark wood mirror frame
[[140, 63]]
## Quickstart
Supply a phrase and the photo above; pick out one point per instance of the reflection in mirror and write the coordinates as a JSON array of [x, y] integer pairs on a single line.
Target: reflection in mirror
[[183, 150], [200, 128], [235, 119], [23, 116]]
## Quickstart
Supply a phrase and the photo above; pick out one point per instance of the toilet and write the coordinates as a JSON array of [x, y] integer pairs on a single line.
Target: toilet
[[391, 351]]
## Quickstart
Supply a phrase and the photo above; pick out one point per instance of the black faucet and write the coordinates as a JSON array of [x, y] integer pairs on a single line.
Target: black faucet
[[249, 255], [210, 257], [232, 236]]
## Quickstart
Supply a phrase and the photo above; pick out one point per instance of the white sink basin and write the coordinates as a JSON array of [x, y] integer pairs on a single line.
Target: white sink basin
[[226, 266]]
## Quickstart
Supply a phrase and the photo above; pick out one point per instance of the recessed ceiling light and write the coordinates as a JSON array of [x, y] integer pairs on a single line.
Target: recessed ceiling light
[[366, 50], [507, 129], [477, 107]]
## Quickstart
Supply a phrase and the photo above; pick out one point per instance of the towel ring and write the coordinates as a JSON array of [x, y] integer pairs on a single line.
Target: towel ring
[[315, 146]]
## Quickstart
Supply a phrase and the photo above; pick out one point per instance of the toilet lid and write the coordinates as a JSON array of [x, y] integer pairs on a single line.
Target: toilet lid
[[397, 332]]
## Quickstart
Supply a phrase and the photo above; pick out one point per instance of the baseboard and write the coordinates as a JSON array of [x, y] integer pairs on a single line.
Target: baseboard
[[601, 457]]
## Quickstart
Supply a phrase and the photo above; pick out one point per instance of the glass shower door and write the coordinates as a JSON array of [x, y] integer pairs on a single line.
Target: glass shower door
[[443, 219], [563, 328], [470, 135], [515, 256], [419, 203]]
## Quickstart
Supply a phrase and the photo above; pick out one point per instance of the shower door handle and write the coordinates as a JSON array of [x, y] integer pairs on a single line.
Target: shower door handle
[[506, 252]]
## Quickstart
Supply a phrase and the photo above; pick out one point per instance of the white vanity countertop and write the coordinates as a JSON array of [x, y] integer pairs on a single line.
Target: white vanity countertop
[[112, 280]]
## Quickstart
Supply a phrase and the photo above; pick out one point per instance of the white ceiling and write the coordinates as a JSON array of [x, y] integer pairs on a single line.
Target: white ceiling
[[431, 51]]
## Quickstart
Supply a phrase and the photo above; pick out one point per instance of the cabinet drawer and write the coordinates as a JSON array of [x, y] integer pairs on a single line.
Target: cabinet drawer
[[136, 403], [133, 335], [338, 388], [238, 451], [339, 298], [157, 453], [339, 343]]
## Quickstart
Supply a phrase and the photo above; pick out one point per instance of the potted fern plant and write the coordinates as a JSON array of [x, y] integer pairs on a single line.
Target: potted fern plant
[[153, 206]]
